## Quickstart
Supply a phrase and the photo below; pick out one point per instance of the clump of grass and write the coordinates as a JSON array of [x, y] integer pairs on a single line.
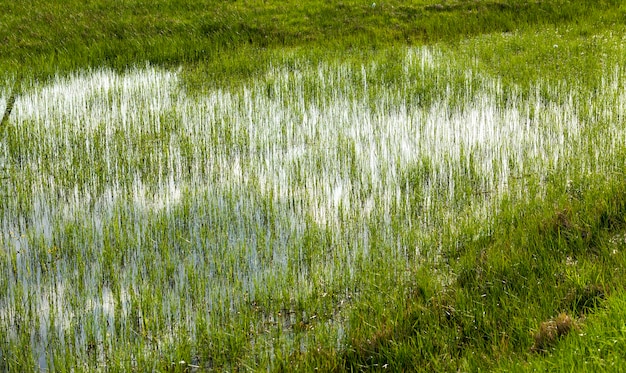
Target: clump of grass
[[585, 298], [551, 331]]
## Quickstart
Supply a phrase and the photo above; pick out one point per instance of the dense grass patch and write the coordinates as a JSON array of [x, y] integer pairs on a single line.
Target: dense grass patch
[[597, 344], [43, 37], [540, 261]]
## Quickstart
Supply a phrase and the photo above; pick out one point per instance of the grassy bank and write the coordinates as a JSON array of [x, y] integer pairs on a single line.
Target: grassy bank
[[310, 185], [540, 262], [228, 37]]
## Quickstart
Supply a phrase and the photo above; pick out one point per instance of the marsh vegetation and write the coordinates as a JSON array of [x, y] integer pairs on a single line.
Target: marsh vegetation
[[403, 207]]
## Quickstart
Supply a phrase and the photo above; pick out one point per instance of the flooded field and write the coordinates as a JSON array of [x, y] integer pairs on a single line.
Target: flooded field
[[139, 217]]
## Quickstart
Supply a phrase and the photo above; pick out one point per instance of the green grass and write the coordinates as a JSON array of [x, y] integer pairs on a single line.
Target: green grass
[[598, 344], [169, 246], [538, 261], [229, 38]]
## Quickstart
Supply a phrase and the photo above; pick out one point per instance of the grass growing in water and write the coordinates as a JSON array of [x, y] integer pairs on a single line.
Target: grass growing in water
[[339, 214]]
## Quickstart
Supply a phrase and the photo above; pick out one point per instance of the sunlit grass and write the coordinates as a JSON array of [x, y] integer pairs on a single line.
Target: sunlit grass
[[145, 225]]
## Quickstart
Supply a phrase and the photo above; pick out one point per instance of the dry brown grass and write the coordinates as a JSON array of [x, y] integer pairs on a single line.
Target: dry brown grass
[[550, 331]]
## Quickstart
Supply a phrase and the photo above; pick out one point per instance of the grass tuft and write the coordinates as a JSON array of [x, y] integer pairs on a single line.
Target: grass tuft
[[551, 331]]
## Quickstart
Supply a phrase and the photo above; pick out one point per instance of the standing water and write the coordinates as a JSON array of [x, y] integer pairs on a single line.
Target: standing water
[[140, 220]]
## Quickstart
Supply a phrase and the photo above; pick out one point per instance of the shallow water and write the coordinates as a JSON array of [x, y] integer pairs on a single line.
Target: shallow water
[[161, 207]]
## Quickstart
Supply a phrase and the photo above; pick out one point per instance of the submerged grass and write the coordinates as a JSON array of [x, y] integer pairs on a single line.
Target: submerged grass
[[437, 208]]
